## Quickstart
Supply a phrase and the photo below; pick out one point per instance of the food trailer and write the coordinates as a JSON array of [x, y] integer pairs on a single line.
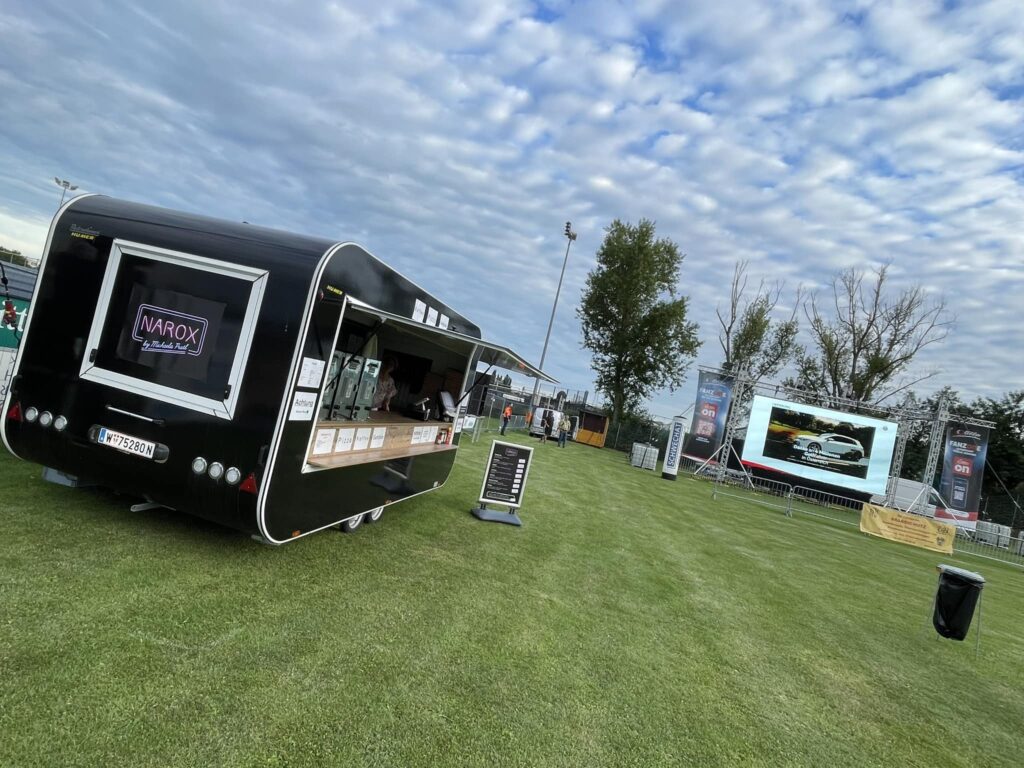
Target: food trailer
[[235, 373]]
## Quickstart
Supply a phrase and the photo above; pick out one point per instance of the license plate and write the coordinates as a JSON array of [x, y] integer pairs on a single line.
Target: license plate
[[126, 443]]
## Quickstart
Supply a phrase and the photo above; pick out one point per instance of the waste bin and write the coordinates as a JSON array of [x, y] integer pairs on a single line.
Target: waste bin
[[955, 599]]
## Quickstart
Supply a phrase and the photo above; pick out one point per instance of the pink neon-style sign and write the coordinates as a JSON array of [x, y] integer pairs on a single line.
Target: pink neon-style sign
[[164, 330]]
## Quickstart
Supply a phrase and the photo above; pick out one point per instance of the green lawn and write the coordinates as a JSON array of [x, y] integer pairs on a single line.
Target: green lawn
[[632, 621]]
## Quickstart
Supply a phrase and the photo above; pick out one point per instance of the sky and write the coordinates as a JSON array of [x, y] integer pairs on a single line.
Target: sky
[[454, 140]]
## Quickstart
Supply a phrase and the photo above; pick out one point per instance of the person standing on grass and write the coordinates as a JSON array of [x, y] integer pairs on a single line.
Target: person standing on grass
[[563, 430], [547, 424], [506, 416]]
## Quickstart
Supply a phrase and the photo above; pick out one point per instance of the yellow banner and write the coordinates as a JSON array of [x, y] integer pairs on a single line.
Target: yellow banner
[[915, 530]]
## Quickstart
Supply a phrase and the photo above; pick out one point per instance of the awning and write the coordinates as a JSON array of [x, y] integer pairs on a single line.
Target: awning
[[489, 353]]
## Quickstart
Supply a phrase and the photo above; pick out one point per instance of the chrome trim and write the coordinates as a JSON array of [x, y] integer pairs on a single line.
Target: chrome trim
[[130, 413], [224, 409]]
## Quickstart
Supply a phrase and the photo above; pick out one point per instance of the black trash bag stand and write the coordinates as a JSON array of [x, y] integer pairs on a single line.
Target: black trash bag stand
[[957, 593]]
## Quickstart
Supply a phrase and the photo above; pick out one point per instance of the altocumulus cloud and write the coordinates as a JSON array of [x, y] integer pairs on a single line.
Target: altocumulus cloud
[[455, 141]]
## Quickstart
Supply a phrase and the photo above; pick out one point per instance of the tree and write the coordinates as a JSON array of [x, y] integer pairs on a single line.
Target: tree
[[1006, 439], [864, 340], [749, 335], [633, 322]]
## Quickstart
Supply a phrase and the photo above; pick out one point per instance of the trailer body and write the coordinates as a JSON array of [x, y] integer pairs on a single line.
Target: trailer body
[[187, 360]]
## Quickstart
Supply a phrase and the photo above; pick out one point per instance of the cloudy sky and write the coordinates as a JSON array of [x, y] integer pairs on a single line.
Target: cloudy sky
[[455, 139]]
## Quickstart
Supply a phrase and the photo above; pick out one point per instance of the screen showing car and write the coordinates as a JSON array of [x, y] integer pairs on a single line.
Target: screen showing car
[[828, 446]]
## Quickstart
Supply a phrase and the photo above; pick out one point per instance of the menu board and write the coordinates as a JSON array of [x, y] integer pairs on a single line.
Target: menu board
[[507, 469]]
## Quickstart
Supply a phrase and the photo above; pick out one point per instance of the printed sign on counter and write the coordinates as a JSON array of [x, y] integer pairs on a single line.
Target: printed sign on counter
[[324, 441], [345, 439], [362, 438], [377, 441]]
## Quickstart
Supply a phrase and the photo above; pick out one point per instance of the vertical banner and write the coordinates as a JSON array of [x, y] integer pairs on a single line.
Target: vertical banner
[[670, 466], [714, 390], [963, 466]]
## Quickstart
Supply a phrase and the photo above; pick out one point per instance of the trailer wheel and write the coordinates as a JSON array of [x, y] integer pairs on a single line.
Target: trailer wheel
[[374, 515], [351, 524]]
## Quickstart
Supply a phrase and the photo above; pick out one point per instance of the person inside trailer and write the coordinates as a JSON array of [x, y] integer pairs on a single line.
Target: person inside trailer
[[386, 388]]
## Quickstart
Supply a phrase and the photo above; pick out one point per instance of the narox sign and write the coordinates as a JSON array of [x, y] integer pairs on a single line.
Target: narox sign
[[164, 330], [675, 444]]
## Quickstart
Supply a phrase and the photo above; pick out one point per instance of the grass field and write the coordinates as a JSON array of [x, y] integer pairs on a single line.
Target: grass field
[[632, 621]]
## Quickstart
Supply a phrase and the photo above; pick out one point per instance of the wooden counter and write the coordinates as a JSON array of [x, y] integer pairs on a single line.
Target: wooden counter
[[365, 457], [382, 437]]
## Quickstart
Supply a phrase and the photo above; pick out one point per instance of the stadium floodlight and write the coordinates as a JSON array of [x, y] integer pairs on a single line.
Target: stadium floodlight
[[66, 186], [570, 236]]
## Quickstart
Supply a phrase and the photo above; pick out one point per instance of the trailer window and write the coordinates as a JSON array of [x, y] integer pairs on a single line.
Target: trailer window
[[174, 326]]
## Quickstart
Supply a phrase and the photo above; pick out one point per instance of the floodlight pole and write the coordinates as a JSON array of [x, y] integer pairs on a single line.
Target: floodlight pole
[[66, 186], [570, 236]]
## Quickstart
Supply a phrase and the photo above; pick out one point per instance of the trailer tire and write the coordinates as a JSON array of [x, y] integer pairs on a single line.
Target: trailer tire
[[374, 515], [351, 524]]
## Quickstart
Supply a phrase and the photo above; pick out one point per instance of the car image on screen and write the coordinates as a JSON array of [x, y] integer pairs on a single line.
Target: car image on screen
[[837, 445]]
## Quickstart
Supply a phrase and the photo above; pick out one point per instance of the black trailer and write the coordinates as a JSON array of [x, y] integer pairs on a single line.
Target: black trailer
[[231, 372]]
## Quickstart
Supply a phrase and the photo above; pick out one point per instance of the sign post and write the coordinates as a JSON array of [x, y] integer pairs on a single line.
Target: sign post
[[670, 467], [508, 466]]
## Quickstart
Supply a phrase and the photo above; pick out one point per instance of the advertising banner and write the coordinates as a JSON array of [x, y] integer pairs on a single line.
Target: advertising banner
[[915, 530], [10, 335], [963, 466], [711, 409], [670, 467], [844, 449]]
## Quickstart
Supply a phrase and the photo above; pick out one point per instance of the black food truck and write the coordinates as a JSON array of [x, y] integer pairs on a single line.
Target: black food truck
[[273, 383]]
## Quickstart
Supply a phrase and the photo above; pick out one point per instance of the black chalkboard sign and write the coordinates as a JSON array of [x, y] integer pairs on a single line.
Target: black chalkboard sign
[[507, 469]]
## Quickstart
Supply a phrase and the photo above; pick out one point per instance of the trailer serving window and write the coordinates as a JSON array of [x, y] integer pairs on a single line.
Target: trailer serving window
[[174, 326], [431, 369]]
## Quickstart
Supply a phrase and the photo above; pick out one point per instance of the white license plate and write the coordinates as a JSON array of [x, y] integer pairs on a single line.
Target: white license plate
[[126, 443]]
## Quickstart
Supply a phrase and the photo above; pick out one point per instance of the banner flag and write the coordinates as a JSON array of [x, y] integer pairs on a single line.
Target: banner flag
[[915, 530], [711, 409], [963, 467], [670, 466]]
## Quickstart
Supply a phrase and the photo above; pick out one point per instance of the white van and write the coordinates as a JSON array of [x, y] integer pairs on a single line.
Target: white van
[[536, 428], [912, 493]]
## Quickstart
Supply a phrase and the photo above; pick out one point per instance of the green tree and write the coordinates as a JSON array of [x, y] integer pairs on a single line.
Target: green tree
[[751, 336], [864, 337], [633, 321], [1006, 440]]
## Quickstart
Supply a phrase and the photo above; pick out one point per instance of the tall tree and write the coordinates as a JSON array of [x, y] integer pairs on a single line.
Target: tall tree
[[633, 321], [749, 335], [864, 338], [1006, 440]]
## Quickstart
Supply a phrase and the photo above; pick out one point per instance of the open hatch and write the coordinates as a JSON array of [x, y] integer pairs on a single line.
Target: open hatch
[[395, 388]]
